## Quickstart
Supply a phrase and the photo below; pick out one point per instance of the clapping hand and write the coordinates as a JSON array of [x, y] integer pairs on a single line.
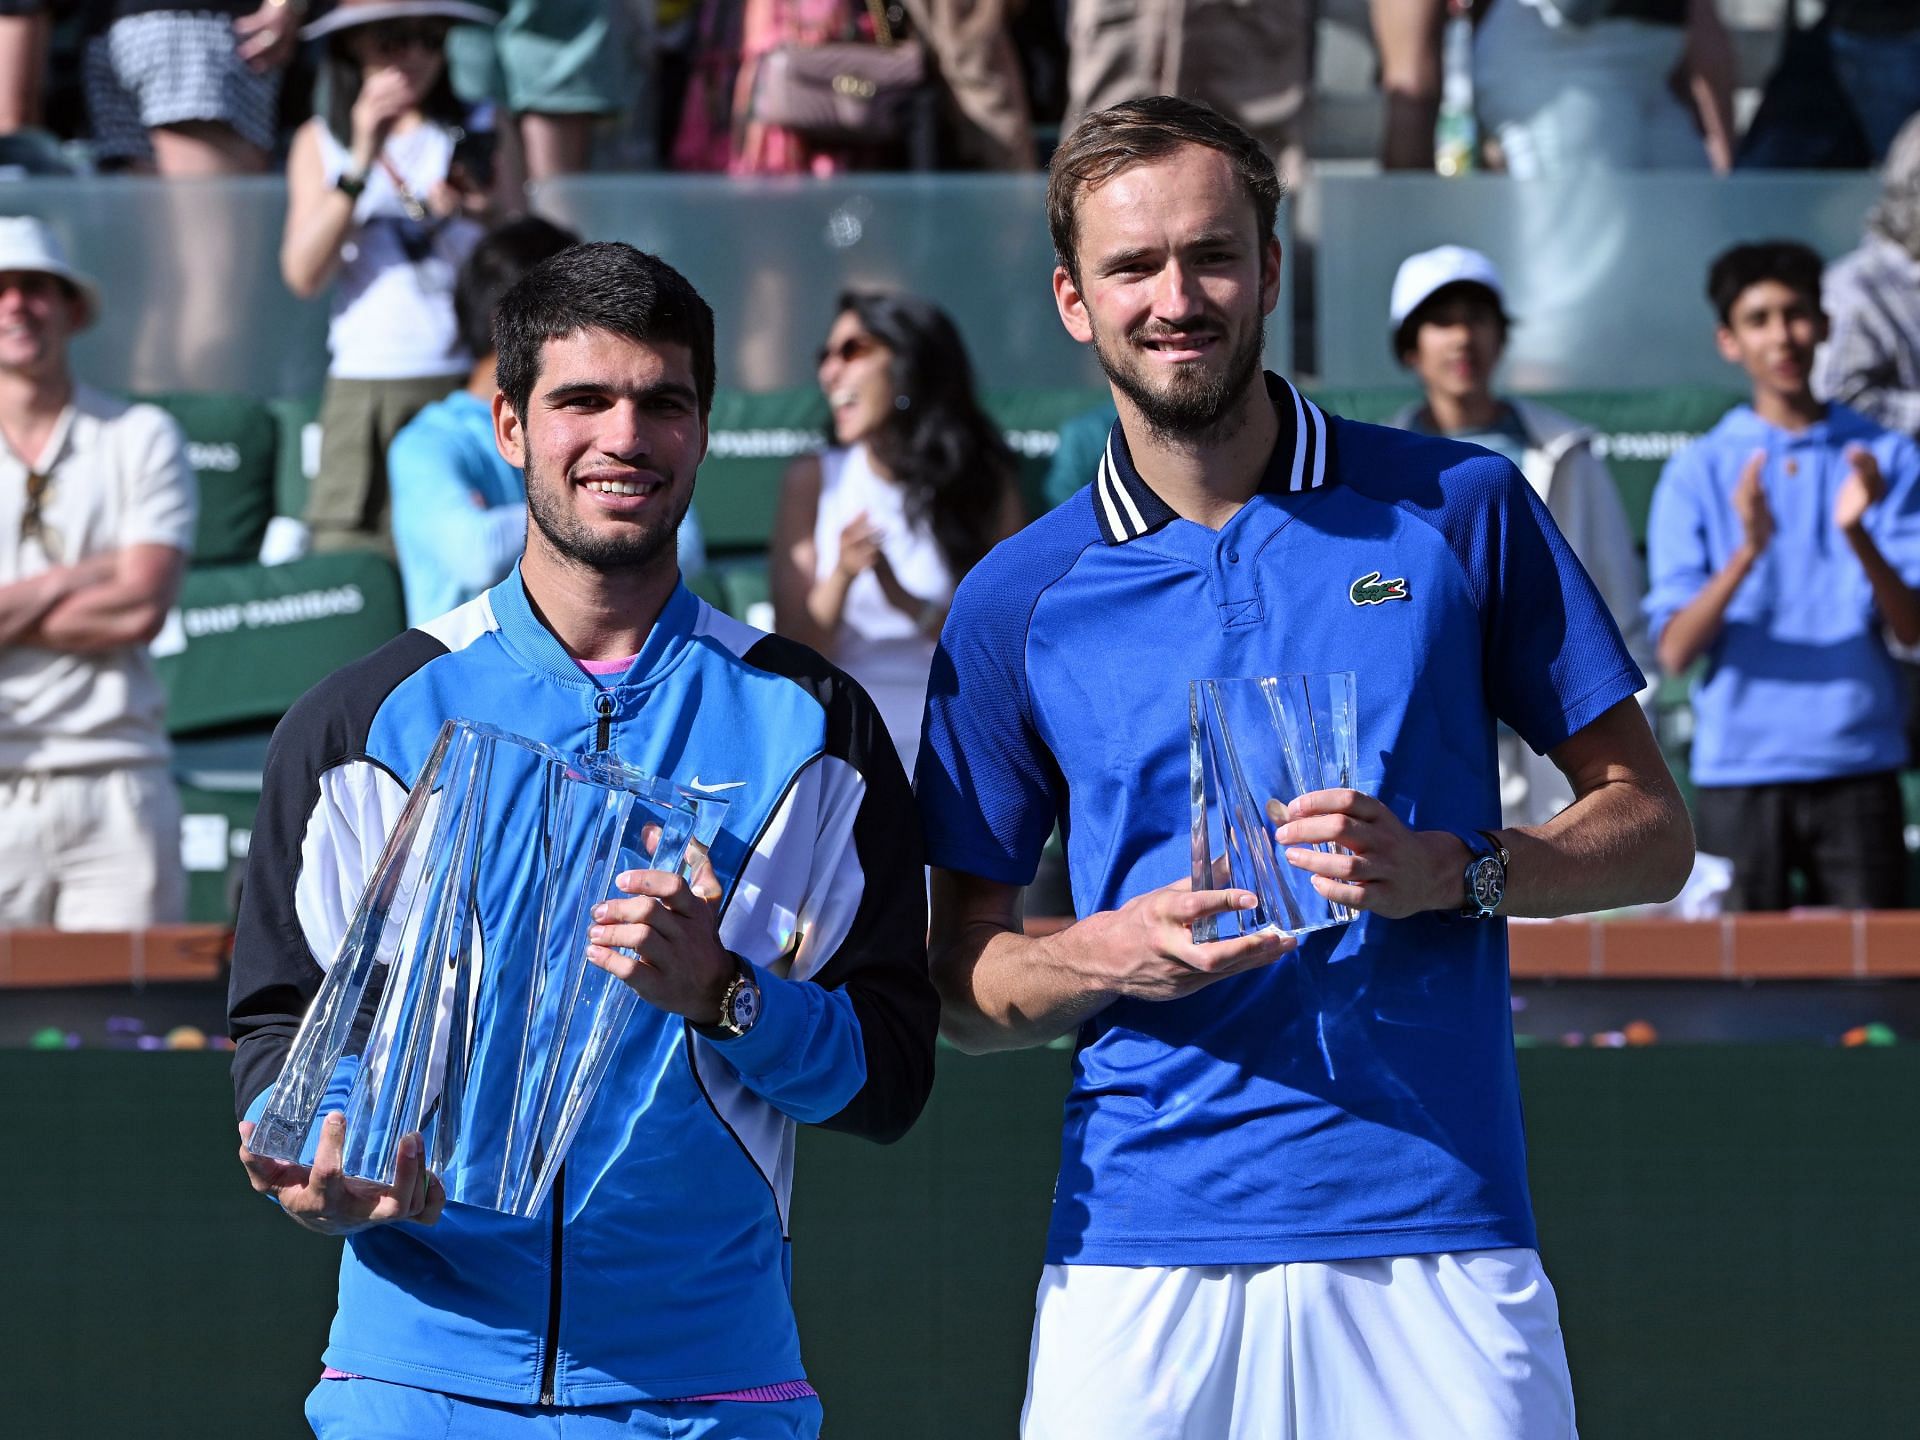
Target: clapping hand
[[1862, 488], [1750, 503]]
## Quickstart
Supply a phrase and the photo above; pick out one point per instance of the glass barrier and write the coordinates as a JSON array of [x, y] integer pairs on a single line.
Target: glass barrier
[[1606, 273], [772, 255]]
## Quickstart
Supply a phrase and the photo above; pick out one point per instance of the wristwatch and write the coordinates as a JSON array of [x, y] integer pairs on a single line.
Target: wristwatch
[[739, 1006], [1486, 875], [351, 185]]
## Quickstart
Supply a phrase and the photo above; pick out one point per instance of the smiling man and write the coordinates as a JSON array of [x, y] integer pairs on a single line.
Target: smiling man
[[97, 506], [1292, 1197], [1784, 547], [649, 1298]]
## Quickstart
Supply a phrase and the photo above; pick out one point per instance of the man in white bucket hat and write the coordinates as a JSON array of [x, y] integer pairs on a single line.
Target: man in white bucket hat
[[97, 507]]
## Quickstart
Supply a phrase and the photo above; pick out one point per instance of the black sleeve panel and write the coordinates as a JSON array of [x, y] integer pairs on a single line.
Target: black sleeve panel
[[274, 975], [882, 962]]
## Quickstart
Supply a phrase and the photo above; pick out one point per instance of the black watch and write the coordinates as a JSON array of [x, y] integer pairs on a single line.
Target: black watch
[[1486, 875], [351, 185]]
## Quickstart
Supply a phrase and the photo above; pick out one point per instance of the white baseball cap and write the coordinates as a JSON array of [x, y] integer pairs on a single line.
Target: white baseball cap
[[27, 244], [1422, 276]]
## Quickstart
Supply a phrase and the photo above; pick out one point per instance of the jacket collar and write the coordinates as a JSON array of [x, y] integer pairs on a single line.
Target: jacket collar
[[1127, 507], [542, 650]]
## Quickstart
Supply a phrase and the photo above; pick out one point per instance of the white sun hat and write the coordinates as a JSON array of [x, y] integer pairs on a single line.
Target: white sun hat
[[349, 13], [27, 244], [1424, 275]]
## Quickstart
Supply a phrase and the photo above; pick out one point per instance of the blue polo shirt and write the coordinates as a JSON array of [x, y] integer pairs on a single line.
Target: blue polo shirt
[[1798, 684], [1359, 1097]]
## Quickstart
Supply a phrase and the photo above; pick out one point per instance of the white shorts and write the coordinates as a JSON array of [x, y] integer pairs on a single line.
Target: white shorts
[[91, 850], [1463, 1346]]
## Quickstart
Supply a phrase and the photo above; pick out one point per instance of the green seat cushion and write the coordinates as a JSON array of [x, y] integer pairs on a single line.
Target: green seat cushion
[[247, 641], [233, 443]]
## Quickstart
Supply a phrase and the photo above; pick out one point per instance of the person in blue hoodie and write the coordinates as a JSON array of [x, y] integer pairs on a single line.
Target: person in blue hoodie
[[649, 1296], [1783, 549]]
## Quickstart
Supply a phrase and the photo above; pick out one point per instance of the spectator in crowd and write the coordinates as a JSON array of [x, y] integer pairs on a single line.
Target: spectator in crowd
[[1252, 63], [1784, 546], [26, 26], [185, 91], [97, 502], [1559, 92], [914, 487], [1876, 58], [459, 506], [555, 67], [980, 74], [786, 986], [377, 203], [1449, 318], [1871, 361]]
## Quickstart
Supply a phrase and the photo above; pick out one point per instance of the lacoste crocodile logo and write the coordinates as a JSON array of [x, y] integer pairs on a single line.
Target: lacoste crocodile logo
[[1370, 589]]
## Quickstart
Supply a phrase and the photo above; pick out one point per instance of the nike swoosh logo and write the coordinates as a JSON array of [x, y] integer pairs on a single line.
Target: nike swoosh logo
[[694, 784]]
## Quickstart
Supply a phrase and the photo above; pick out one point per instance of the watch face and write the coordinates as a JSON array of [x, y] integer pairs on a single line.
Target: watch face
[[744, 1008], [1487, 882]]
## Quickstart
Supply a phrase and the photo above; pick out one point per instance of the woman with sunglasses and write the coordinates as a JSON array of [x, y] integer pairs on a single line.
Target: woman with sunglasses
[[380, 203], [914, 486]]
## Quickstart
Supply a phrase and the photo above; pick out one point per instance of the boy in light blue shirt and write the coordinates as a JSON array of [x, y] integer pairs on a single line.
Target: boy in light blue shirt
[[459, 509], [1783, 549]]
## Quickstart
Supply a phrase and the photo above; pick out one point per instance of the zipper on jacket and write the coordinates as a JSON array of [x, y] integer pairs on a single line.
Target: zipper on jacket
[[603, 727], [551, 1362], [602, 734]]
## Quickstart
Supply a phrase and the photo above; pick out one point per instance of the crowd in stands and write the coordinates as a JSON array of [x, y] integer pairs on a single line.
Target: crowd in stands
[[540, 88], [1781, 558]]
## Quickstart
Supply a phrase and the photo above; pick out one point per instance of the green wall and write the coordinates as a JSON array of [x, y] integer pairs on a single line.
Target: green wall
[[1730, 1231]]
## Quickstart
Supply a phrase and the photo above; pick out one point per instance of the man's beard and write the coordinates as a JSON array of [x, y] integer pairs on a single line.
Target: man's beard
[[635, 546], [1196, 404]]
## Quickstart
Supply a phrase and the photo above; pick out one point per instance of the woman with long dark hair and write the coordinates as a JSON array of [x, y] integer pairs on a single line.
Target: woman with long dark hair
[[914, 486], [382, 204]]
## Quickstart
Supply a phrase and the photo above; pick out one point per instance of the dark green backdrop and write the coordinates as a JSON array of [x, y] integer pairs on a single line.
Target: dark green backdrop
[[1730, 1230]]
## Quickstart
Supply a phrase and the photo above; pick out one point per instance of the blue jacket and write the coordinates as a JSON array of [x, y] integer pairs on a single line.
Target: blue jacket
[[659, 1269]]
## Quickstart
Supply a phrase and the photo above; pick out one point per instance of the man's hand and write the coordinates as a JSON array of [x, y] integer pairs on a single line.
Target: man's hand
[[324, 1198], [1750, 504], [1381, 865], [1860, 491], [1146, 949], [665, 942]]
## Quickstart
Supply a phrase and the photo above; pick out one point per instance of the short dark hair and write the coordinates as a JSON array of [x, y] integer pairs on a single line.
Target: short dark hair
[[503, 255], [1738, 270], [602, 285], [1405, 338], [1134, 133]]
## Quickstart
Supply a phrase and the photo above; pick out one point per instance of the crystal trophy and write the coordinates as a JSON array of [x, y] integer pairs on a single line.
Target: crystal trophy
[[461, 1003], [1257, 744]]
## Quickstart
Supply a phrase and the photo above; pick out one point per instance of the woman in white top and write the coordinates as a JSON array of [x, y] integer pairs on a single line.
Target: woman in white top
[[379, 202], [914, 487]]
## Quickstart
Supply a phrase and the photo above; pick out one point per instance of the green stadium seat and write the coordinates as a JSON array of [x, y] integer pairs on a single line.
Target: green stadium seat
[[246, 641], [233, 443], [298, 423]]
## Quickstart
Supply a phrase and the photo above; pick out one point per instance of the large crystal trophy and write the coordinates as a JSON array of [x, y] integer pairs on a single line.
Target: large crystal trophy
[[461, 1003], [1257, 744]]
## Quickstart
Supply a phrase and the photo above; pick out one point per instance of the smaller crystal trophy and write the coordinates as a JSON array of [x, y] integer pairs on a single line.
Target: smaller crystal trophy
[[1258, 744], [461, 1003]]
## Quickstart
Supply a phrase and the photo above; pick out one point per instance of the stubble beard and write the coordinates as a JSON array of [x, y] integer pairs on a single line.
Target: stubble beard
[[1196, 405], [635, 547]]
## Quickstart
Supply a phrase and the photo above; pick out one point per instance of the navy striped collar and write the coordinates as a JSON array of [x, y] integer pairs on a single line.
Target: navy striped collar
[[1127, 507]]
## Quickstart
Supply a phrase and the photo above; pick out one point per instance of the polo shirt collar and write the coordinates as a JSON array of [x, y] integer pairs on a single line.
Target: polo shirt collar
[[1127, 507]]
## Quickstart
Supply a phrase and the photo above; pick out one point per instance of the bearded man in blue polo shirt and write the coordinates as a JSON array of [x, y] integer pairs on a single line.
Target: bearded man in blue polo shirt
[[1292, 1197]]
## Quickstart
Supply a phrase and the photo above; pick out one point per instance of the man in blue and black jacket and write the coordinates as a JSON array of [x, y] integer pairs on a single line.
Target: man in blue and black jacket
[[650, 1295]]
